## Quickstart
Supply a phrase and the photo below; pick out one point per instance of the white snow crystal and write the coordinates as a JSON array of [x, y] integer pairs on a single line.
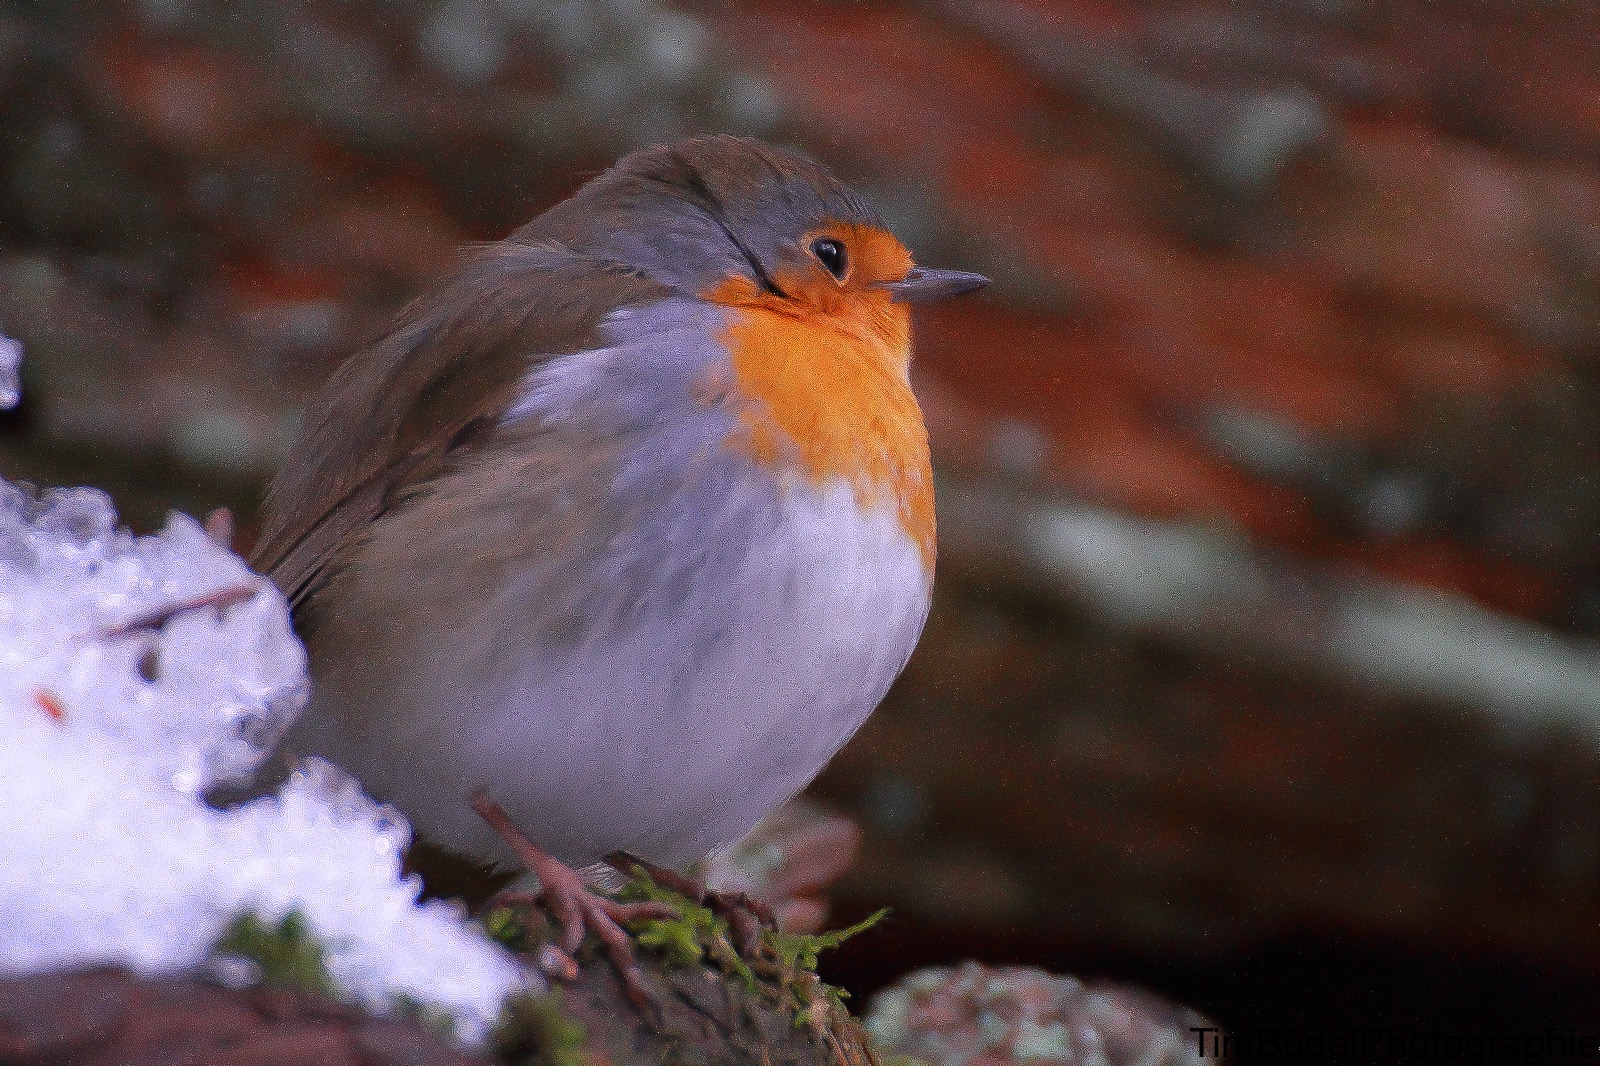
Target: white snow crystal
[[118, 714], [10, 372]]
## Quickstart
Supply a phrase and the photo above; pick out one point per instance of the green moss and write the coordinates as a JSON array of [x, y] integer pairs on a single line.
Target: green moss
[[536, 1031], [287, 953], [507, 927], [431, 1018], [797, 955], [800, 951], [677, 941], [696, 934]]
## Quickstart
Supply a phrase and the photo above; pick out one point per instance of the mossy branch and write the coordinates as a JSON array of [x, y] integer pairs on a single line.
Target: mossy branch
[[782, 972]]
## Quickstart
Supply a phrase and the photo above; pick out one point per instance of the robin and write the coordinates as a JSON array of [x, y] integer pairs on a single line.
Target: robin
[[613, 540]]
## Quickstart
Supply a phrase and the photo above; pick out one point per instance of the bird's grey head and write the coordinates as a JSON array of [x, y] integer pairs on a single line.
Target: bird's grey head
[[696, 213]]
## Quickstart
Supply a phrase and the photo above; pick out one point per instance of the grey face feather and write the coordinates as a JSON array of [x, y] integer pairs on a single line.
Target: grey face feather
[[691, 214]]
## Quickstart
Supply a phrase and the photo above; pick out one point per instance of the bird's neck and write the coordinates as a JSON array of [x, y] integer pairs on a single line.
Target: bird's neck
[[826, 396]]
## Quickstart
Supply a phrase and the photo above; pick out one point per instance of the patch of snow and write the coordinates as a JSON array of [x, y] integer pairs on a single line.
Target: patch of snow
[[119, 714], [10, 372]]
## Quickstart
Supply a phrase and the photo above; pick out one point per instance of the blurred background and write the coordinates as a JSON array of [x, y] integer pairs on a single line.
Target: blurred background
[[1264, 668]]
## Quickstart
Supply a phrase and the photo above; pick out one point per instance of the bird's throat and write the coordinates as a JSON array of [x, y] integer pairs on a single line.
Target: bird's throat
[[829, 401]]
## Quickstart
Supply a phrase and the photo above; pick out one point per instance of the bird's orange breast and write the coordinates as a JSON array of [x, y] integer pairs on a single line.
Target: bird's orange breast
[[828, 398]]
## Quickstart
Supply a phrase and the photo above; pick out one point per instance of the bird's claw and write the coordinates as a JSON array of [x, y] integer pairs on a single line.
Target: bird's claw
[[555, 963], [746, 916], [576, 910]]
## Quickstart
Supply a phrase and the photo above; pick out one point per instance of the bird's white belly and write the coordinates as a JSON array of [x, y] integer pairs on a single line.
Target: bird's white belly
[[676, 733]]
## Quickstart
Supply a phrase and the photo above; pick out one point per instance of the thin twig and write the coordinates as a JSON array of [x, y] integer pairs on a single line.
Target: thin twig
[[222, 598]]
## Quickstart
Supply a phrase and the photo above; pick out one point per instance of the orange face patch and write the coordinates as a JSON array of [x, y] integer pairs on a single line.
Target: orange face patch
[[825, 369]]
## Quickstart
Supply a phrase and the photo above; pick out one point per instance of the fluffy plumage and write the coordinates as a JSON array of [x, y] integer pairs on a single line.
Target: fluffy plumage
[[630, 523]]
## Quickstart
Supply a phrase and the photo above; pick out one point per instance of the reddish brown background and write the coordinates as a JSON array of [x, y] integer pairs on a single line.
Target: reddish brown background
[[1296, 320]]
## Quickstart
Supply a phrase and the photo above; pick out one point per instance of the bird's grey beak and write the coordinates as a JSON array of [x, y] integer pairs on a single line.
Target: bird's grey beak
[[922, 285]]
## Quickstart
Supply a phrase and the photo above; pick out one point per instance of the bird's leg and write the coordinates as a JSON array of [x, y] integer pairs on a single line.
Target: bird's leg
[[576, 908], [746, 915]]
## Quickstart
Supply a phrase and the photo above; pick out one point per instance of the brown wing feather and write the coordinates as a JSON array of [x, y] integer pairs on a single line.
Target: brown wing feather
[[392, 414]]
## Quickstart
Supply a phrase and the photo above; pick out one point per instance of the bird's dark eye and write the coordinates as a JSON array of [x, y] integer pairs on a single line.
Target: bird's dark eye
[[830, 253]]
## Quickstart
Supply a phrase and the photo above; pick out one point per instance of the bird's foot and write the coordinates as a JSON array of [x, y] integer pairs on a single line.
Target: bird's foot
[[576, 908], [746, 916]]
